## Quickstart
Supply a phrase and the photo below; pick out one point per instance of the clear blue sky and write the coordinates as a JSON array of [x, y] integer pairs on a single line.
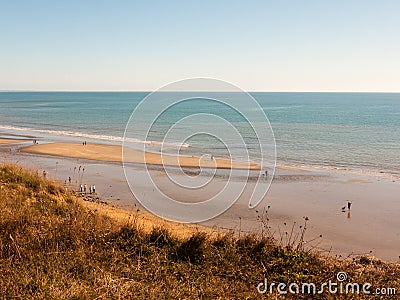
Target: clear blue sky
[[295, 45]]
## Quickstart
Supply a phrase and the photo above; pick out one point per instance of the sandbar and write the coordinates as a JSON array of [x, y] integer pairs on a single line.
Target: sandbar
[[113, 153], [10, 141]]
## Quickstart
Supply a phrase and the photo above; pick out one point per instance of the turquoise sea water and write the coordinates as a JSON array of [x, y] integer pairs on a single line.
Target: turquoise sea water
[[358, 131]]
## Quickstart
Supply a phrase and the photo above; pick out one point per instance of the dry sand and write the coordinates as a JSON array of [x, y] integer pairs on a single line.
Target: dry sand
[[10, 141], [147, 221], [286, 168], [113, 153]]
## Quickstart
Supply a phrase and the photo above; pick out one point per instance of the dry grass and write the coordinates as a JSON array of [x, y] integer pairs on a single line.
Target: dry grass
[[52, 247], [144, 220]]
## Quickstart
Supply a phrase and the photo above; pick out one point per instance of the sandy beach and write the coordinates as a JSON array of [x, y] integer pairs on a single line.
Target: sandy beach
[[113, 153], [124, 214], [319, 194], [10, 141]]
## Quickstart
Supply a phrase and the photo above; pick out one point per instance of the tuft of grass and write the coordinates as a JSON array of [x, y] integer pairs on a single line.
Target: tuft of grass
[[192, 250], [161, 237], [52, 247]]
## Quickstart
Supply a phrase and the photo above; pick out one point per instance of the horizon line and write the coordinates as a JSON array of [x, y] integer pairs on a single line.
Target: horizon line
[[254, 91]]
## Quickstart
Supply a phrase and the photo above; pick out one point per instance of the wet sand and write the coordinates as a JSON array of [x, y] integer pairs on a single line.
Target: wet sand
[[113, 153], [371, 227]]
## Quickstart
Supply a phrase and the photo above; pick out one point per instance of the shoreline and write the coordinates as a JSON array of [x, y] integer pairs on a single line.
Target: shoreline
[[155, 159], [282, 165]]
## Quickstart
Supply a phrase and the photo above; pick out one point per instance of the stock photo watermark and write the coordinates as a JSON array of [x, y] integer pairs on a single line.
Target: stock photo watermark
[[204, 124], [341, 285]]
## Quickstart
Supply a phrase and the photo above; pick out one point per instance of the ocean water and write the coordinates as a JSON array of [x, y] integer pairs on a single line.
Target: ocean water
[[359, 131]]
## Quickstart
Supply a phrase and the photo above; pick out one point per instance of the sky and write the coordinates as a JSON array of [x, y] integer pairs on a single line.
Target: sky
[[257, 45]]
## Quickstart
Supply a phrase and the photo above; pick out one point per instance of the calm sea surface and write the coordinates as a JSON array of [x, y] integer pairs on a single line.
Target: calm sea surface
[[358, 131]]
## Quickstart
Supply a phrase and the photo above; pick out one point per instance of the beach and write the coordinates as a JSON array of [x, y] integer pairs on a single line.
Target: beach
[[195, 150], [4, 141], [113, 153], [370, 227]]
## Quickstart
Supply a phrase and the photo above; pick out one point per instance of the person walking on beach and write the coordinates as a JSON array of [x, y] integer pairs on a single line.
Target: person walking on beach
[[69, 179], [349, 203]]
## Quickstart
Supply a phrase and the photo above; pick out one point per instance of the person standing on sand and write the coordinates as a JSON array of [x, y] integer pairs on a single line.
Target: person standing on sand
[[44, 174], [90, 189], [81, 188], [94, 189], [84, 188], [69, 179]]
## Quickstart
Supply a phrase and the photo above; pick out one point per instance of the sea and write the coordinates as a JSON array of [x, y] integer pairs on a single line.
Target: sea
[[352, 131]]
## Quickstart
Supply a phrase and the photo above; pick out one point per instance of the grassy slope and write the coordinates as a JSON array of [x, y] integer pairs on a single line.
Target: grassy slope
[[53, 247]]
